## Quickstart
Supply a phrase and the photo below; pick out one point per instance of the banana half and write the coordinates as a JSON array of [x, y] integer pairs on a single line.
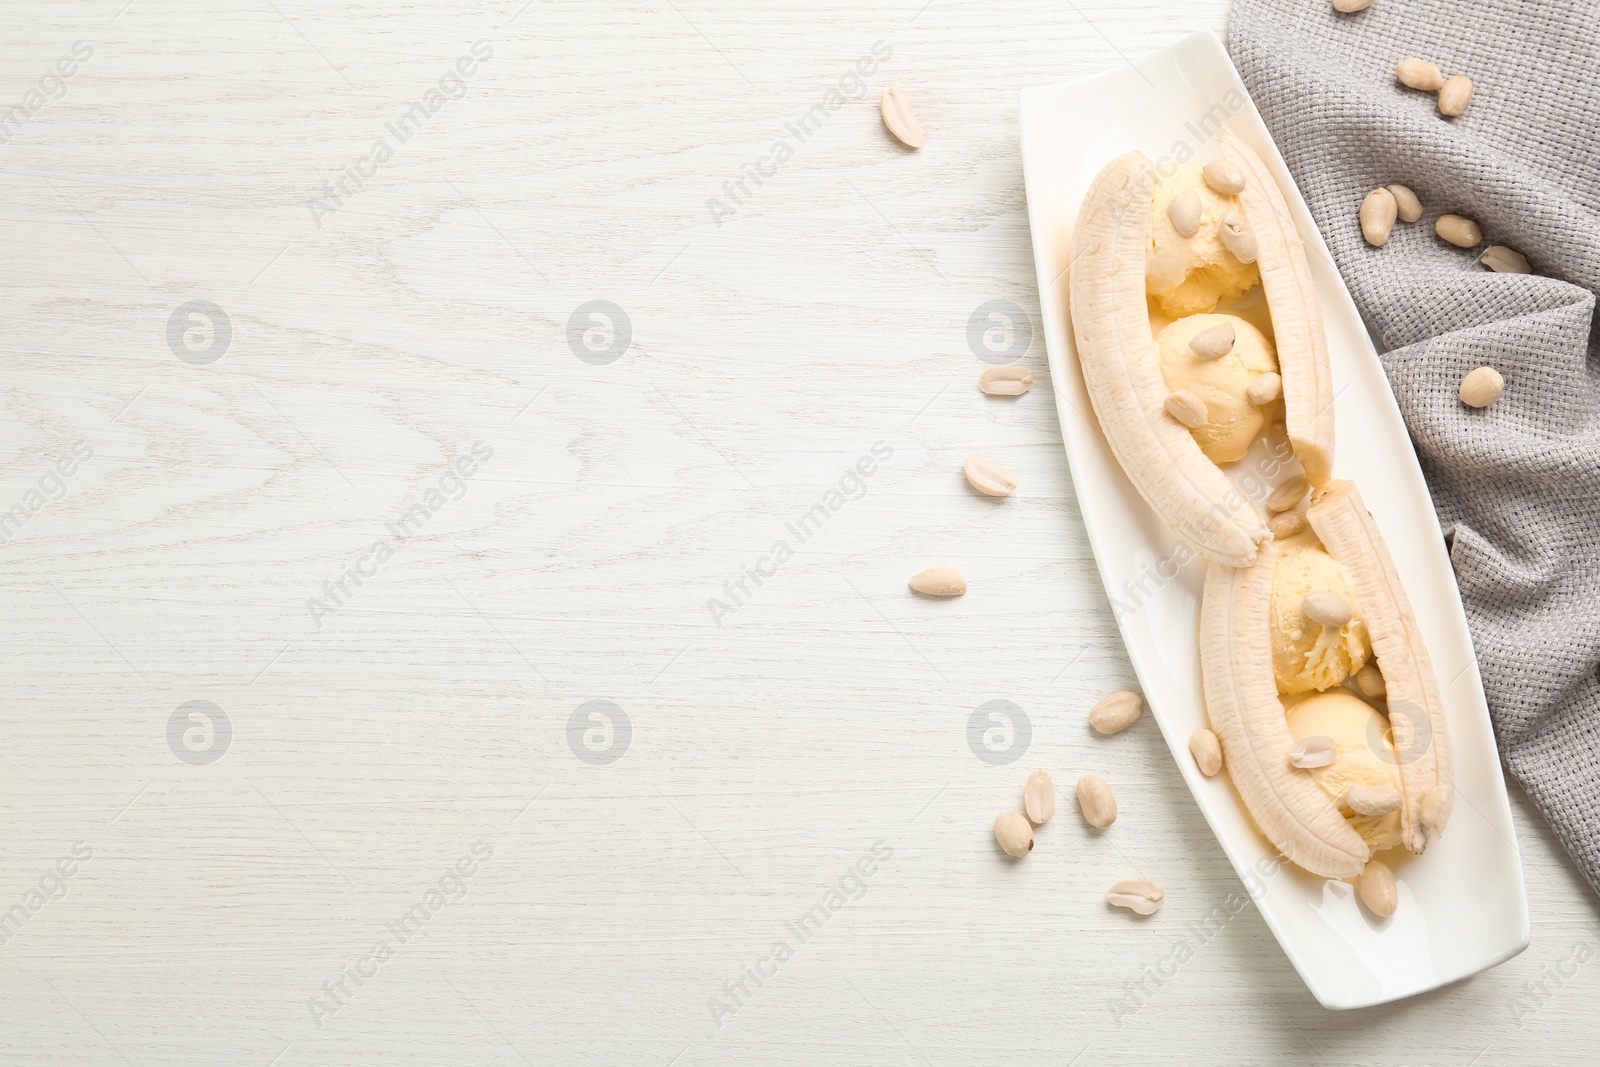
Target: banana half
[[1296, 316], [1248, 718], [1121, 370], [1416, 711]]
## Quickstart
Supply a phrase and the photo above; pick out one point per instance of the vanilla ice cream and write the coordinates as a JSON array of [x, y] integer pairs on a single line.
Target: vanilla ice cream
[[1364, 755], [1232, 421], [1307, 655], [1190, 275]]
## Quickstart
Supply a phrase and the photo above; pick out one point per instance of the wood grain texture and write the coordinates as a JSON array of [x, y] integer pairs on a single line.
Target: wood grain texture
[[770, 748]]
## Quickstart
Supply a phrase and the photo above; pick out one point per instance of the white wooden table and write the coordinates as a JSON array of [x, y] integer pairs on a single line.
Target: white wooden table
[[269, 876]]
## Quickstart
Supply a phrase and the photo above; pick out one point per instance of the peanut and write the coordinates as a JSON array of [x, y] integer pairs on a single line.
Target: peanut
[[1117, 712], [1207, 752], [1287, 523], [1455, 95], [1039, 797], [1187, 408], [1096, 801], [1290, 493], [1223, 178], [1137, 896], [1013, 834], [938, 581], [1419, 74], [1184, 211], [1407, 205], [988, 477], [1329, 609], [1503, 260], [1377, 889], [1482, 387], [1369, 680], [1236, 238], [1005, 381], [900, 119], [1458, 230], [1379, 209], [1265, 389], [1213, 342]]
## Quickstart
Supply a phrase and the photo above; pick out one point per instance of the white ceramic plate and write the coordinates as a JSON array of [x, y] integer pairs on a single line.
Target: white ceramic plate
[[1463, 906]]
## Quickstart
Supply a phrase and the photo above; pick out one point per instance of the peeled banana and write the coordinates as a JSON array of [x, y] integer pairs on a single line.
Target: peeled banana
[[1148, 428], [1123, 375], [1296, 316], [1416, 710], [1248, 718]]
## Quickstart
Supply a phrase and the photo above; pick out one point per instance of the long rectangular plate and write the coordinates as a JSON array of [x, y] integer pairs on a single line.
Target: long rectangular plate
[[1463, 905]]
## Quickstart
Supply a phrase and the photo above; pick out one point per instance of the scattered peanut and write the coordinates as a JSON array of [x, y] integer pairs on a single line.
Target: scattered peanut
[[1407, 206], [1347, 7], [1213, 342], [1290, 493], [1005, 381], [1313, 750], [1223, 178], [1265, 389], [1187, 408], [1184, 210], [1458, 230], [1379, 209], [901, 119], [1207, 752], [1117, 712], [1503, 260], [1039, 797], [1417, 73], [938, 581], [1096, 801], [1137, 896], [1236, 238], [1482, 387], [1377, 889], [1369, 680], [1013, 834], [1455, 95], [1287, 523], [988, 477], [1328, 609]]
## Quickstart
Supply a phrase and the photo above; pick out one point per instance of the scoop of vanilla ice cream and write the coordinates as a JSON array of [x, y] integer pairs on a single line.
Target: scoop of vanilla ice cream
[[1190, 275], [1307, 655], [1233, 422], [1363, 755]]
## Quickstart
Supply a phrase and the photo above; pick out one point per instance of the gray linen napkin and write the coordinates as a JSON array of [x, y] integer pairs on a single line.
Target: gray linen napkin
[[1516, 485]]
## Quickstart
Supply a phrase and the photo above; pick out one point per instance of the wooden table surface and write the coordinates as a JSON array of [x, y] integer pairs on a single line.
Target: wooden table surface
[[336, 501]]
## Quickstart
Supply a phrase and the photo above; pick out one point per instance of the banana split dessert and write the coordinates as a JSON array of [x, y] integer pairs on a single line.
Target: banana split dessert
[[1198, 332]]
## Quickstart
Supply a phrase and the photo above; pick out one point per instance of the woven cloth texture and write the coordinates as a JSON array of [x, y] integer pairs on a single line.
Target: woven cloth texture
[[1517, 484]]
